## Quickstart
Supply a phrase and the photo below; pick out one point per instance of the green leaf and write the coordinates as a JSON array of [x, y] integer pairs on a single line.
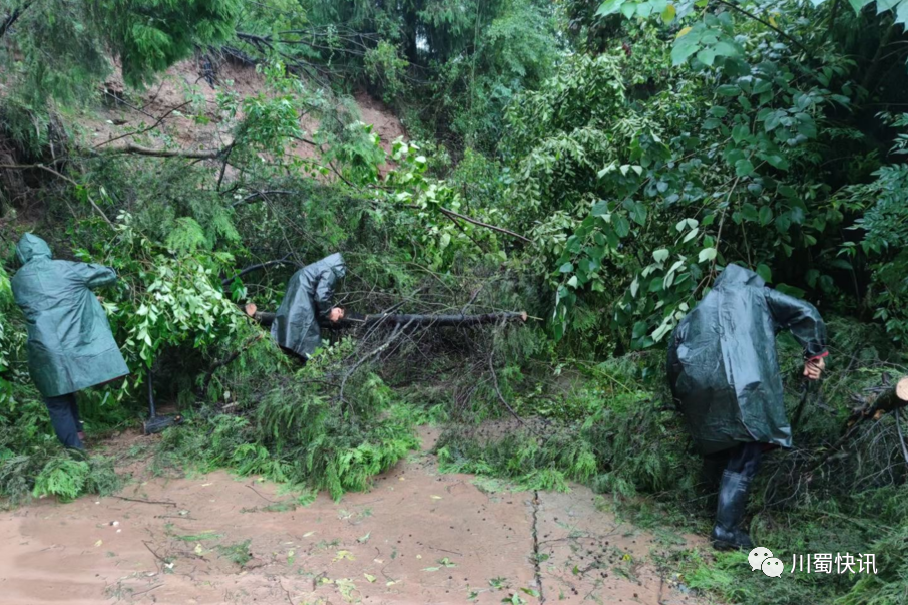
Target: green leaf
[[622, 226], [726, 49], [566, 268], [572, 282], [749, 212], [707, 56], [600, 208], [764, 272], [708, 254], [691, 235], [639, 214], [774, 119], [857, 5], [765, 216], [729, 90], [776, 161], [811, 276], [744, 168], [660, 255], [790, 290], [684, 47], [609, 7], [668, 15], [720, 111]]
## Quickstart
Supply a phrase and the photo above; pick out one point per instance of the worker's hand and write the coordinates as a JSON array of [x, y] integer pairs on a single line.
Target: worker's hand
[[813, 368], [336, 314]]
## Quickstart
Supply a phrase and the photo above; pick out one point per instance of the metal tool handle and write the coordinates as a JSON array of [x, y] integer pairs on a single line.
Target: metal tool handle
[[148, 379]]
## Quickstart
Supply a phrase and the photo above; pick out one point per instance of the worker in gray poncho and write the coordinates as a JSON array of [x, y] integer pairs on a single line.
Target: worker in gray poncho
[[70, 346], [309, 297], [724, 374]]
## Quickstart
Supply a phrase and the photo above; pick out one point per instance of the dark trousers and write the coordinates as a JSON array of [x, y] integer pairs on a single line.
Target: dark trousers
[[64, 416], [744, 458]]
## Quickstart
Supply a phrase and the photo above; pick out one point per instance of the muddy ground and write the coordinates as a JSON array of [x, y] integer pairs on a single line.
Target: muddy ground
[[419, 537]]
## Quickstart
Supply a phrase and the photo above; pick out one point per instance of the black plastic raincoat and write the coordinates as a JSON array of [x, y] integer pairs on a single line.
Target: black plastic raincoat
[[309, 296], [70, 346], [723, 366]]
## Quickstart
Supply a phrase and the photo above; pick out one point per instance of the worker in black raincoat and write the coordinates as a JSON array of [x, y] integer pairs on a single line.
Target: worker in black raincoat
[[309, 297], [724, 374], [70, 346]]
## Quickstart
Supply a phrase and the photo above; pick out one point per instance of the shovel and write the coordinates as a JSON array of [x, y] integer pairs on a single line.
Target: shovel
[[155, 423]]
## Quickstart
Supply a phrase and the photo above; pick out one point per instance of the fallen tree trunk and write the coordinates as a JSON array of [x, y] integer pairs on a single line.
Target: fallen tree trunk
[[352, 320], [892, 399]]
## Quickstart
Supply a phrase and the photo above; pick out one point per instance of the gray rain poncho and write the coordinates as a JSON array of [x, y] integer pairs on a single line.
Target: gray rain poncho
[[70, 346], [309, 296], [723, 366]]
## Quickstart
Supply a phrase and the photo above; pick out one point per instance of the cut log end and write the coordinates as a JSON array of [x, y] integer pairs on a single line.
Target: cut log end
[[251, 309], [901, 388]]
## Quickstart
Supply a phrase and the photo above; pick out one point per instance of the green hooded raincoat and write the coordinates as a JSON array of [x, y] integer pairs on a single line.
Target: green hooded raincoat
[[722, 361], [310, 296], [70, 346]]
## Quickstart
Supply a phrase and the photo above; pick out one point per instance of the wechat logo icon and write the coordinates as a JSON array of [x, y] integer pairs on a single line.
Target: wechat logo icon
[[762, 559]]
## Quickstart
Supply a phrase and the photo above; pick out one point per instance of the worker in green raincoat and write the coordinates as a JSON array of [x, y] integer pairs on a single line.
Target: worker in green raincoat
[[309, 297], [724, 374], [70, 346]]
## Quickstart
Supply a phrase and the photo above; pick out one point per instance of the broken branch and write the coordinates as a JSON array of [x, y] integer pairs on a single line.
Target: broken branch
[[131, 148]]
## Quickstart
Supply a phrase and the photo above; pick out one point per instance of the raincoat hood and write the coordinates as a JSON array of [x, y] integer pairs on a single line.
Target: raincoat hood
[[336, 263], [735, 275], [30, 247]]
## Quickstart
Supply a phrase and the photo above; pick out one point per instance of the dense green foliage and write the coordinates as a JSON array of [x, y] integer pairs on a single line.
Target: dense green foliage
[[593, 163]]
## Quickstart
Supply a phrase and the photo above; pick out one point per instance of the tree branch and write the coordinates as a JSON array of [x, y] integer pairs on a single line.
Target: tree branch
[[452, 214], [133, 149], [152, 127], [785, 35], [271, 263]]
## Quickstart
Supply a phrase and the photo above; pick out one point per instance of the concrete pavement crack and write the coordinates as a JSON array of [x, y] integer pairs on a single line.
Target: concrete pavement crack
[[537, 563]]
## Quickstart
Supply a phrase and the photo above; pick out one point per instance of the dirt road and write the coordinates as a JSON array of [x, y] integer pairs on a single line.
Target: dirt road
[[419, 537]]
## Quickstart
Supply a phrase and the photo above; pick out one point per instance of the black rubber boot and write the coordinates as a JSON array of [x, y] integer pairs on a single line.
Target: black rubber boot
[[727, 534]]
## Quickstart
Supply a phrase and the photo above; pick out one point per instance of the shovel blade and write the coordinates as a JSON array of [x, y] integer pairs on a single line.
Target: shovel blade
[[159, 423]]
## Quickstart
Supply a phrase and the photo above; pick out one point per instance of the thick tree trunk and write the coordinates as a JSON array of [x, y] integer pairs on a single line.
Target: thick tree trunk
[[352, 320], [892, 399]]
